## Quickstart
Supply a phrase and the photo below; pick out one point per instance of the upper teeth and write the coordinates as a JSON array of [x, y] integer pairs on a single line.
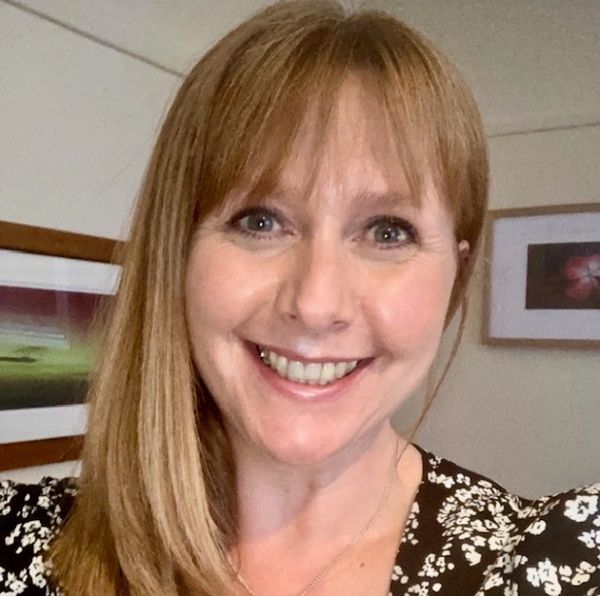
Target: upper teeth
[[313, 373]]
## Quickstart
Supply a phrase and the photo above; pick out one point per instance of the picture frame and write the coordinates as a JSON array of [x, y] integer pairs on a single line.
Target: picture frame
[[541, 289], [51, 284]]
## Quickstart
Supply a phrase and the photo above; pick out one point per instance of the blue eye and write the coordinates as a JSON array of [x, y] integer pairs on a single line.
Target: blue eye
[[391, 232], [257, 222]]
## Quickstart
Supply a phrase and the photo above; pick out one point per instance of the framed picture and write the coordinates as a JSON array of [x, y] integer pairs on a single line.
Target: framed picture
[[52, 285], [543, 286]]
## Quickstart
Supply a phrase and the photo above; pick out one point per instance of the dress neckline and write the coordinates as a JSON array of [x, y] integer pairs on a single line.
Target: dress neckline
[[413, 518]]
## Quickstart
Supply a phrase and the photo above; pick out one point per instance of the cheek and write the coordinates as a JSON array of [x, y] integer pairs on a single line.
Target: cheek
[[225, 292], [411, 311], [210, 308]]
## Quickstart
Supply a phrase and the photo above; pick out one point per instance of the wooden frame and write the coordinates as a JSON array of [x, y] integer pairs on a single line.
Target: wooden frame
[[528, 212], [25, 454], [42, 241]]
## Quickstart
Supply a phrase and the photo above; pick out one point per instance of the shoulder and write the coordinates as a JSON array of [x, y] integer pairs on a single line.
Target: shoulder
[[548, 545], [30, 515], [460, 495], [558, 546]]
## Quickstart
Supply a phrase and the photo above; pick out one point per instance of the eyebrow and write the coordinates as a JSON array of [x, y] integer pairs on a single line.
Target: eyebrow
[[386, 199], [379, 200]]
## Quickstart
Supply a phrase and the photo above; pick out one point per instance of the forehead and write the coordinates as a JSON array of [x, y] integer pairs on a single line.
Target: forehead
[[352, 156]]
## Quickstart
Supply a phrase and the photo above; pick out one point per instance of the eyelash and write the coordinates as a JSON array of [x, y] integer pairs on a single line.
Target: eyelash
[[391, 221], [234, 222]]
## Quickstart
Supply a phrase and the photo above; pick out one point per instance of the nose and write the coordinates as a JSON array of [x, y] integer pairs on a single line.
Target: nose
[[316, 292]]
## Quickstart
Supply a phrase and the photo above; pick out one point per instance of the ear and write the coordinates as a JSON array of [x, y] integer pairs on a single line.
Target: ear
[[464, 250]]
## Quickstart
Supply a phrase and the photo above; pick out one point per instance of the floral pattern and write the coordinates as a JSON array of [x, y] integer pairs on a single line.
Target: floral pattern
[[468, 536], [30, 515], [465, 535]]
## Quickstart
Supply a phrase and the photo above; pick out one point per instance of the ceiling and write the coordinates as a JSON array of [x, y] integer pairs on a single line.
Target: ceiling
[[533, 64]]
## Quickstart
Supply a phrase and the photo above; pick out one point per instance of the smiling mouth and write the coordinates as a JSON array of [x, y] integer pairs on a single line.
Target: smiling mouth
[[307, 373]]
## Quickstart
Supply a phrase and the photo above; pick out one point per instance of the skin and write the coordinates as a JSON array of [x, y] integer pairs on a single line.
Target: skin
[[321, 279]]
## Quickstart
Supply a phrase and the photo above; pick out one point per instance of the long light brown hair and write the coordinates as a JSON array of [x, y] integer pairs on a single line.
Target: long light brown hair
[[156, 508]]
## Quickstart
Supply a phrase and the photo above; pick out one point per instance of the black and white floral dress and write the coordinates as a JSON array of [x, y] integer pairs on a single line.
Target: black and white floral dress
[[465, 535]]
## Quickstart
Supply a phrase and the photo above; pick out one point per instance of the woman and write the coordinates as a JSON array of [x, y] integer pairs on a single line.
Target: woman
[[305, 232]]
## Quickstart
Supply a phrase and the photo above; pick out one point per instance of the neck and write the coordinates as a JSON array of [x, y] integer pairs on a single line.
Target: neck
[[285, 506]]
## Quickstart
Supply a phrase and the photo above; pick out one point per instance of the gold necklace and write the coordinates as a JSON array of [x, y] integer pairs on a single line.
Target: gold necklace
[[384, 497]]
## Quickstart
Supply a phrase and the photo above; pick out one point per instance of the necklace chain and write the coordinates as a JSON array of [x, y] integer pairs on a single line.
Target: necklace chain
[[384, 497]]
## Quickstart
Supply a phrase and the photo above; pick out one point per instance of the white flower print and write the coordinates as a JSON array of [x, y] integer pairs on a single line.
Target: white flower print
[[537, 527], [582, 574], [511, 589], [581, 507], [545, 575], [493, 581], [591, 539], [37, 572], [421, 589], [447, 481], [398, 575], [471, 554]]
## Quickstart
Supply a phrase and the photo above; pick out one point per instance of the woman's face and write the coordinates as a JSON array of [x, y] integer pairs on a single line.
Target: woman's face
[[349, 280]]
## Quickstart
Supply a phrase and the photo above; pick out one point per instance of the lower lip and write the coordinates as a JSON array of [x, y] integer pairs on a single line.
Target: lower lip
[[304, 392]]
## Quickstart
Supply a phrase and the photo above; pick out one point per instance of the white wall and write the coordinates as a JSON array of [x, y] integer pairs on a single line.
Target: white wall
[[36, 473], [78, 118], [77, 121], [526, 417]]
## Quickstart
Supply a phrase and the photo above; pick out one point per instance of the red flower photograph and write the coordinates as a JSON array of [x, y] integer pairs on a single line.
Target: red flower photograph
[[583, 274], [563, 276]]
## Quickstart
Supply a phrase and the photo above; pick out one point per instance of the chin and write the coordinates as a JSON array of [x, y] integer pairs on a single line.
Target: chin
[[302, 455], [297, 450], [307, 446]]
